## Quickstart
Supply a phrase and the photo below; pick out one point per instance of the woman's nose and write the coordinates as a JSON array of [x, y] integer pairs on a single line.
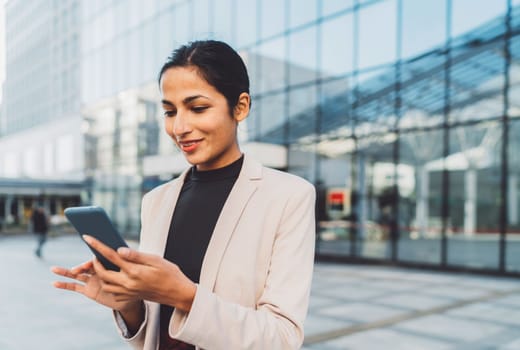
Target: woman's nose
[[181, 124]]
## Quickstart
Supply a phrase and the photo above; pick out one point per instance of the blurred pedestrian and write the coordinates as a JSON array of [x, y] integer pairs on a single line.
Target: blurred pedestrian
[[40, 226]]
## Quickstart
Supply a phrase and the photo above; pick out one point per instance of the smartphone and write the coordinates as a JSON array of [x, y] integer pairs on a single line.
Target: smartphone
[[94, 221]]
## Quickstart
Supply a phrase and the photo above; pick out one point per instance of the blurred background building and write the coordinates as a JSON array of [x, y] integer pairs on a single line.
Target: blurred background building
[[41, 144], [403, 113]]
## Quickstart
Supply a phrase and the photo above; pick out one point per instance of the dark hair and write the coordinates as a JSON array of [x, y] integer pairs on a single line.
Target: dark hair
[[217, 63]]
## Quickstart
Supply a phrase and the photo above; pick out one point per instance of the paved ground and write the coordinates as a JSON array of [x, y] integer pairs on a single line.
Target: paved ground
[[352, 307]]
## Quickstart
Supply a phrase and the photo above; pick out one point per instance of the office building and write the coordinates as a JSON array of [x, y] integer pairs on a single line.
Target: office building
[[41, 145], [403, 113]]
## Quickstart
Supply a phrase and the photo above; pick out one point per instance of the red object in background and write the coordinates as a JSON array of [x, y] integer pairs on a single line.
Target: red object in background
[[336, 200], [336, 197]]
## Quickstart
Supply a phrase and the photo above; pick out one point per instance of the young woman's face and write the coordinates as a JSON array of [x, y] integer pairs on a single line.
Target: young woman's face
[[197, 118]]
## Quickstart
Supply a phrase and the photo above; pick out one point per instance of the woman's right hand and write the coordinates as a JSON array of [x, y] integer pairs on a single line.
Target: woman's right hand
[[89, 284]]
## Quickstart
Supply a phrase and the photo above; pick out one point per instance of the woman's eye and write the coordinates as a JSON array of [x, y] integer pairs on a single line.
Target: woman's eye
[[169, 113], [199, 109]]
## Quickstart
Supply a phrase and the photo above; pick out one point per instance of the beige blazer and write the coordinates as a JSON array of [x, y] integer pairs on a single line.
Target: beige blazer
[[256, 275]]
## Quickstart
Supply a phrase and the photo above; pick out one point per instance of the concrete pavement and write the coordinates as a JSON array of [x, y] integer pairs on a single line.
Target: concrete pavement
[[352, 307], [367, 307]]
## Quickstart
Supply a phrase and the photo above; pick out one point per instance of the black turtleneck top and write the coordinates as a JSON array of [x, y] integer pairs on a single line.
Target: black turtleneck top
[[198, 207]]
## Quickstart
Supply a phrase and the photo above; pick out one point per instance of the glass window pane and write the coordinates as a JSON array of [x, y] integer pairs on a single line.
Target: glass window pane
[[148, 52], [513, 199], [422, 92], [514, 76], [375, 196], [301, 12], [166, 34], [248, 130], [302, 56], [474, 177], [222, 21], [377, 43], [246, 22], [467, 16], [420, 224], [336, 117], [182, 26], [423, 26], [333, 205], [333, 6], [271, 58], [120, 15], [272, 118], [302, 113], [375, 101], [336, 42], [273, 17], [477, 82], [201, 18], [302, 161]]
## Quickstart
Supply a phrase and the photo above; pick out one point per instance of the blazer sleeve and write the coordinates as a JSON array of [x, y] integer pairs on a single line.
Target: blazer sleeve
[[136, 340], [277, 320]]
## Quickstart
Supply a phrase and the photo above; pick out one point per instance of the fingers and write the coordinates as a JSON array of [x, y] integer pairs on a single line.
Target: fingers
[[135, 256], [82, 277], [75, 287], [86, 267], [117, 290], [63, 272], [107, 276], [104, 250]]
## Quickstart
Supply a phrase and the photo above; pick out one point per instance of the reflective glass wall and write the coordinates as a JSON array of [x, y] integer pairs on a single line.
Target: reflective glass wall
[[403, 113]]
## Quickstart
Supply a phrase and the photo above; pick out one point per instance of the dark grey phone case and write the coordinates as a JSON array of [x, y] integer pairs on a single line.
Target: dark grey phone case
[[94, 221]]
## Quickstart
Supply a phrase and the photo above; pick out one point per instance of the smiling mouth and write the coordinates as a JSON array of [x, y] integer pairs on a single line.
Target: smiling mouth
[[189, 146]]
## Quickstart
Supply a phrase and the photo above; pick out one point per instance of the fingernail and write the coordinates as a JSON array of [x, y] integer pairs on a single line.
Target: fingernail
[[87, 238], [123, 251]]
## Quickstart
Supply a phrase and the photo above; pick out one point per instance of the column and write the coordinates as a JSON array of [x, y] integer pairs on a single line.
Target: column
[[59, 206], [21, 212], [512, 200], [7, 209], [361, 200], [470, 202], [47, 205], [421, 211]]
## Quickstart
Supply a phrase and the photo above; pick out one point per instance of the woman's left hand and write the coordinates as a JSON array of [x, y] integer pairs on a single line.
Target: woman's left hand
[[143, 276]]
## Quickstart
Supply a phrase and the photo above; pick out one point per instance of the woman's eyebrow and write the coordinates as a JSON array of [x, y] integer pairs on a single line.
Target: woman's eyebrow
[[166, 102], [194, 97], [186, 100]]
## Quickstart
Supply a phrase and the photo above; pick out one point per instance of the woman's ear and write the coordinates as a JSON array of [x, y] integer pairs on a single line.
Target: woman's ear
[[241, 110]]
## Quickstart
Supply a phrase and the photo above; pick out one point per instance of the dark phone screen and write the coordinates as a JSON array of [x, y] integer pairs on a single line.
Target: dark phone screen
[[94, 221]]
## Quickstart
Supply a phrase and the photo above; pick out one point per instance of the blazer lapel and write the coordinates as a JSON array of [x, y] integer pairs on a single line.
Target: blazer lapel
[[236, 202]]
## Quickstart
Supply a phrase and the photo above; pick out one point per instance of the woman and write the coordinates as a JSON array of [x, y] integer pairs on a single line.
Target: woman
[[226, 249]]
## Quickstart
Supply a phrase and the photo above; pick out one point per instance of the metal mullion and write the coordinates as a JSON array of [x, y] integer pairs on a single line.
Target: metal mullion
[[319, 91], [286, 130], [394, 227], [354, 233], [505, 144], [446, 146]]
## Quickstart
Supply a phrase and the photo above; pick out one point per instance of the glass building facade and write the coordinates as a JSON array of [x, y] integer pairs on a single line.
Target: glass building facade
[[41, 146], [403, 113], [42, 81]]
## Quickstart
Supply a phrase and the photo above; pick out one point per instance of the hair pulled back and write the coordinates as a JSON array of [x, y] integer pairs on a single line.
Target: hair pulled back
[[220, 65]]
